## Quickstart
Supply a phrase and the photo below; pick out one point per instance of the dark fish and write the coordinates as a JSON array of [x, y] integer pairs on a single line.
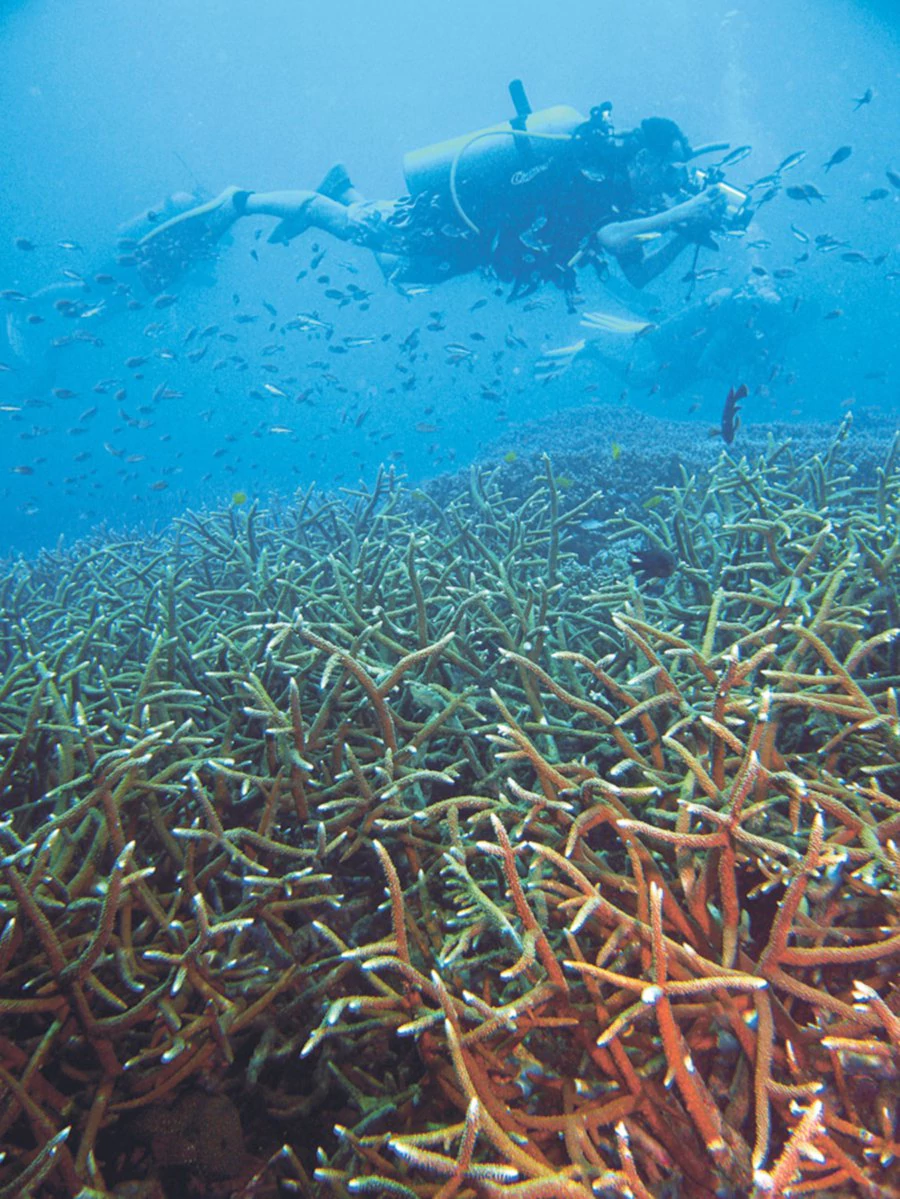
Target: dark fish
[[865, 98], [22, 243], [730, 419], [654, 563], [879, 193], [840, 155], [893, 178], [806, 192]]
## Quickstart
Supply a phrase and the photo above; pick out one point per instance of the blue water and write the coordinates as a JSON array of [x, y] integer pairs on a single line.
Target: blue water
[[109, 107]]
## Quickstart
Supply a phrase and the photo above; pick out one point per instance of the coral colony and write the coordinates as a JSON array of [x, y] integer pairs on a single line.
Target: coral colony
[[380, 846]]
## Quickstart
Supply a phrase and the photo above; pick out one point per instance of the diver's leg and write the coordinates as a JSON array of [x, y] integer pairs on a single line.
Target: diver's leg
[[168, 250], [209, 220], [298, 211], [361, 222]]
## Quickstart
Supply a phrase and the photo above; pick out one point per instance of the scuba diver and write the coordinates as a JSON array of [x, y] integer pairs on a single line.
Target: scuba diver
[[529, 200], [735, 331], [65, 315]]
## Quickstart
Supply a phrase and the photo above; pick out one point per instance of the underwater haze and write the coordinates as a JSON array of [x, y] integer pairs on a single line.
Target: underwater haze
[[110, 413], [449, 599]]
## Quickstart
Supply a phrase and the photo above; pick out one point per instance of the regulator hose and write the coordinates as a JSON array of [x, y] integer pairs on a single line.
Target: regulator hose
[[454, 166]]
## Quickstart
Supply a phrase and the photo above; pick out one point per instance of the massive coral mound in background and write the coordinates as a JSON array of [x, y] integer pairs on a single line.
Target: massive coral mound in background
[[393, 845]]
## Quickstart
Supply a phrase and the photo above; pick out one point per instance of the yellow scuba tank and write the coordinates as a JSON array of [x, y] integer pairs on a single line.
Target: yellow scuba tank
[[477, 164]]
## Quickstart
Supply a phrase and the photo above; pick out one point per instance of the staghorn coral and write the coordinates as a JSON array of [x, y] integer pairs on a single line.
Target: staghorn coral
[[640, 937]]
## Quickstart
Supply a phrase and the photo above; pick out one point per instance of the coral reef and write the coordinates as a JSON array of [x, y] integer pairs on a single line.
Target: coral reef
[[383, 845]]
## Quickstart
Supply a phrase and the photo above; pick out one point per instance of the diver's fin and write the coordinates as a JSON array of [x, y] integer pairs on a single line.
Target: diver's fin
[[337, 185], [290, 227], [335, 182]]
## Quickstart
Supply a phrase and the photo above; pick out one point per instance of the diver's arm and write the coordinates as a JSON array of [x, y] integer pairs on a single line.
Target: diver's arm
[[640, 269], [624, 239]]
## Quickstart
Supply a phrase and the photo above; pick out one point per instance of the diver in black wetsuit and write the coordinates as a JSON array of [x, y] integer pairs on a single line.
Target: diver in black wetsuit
[[588, 195]]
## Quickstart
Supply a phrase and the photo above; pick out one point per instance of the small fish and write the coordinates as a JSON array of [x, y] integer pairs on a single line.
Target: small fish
[[708, 272], [615, 451], [64, 393], [478, 304], [281, 430], [617, 324], [69, 245], [893, 179], [841, 154], [834, 314], [730, 418], [855, 256], [879, 193], [866, 98], [16, 297], [164, 301], [792, 160], [654, 563], [22, 243], [736, 156], [807, 192], [275, 391], [802, 237], [21, 470]]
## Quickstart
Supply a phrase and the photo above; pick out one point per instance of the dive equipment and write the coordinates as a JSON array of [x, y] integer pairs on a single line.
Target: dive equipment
[[483, 162], [735, 199]]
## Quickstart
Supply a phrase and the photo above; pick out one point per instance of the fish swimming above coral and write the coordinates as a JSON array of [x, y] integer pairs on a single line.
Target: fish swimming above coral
[[730, 419], [654, 563]]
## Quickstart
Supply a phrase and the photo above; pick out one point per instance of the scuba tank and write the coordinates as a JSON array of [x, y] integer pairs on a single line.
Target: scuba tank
[[483, 162]]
